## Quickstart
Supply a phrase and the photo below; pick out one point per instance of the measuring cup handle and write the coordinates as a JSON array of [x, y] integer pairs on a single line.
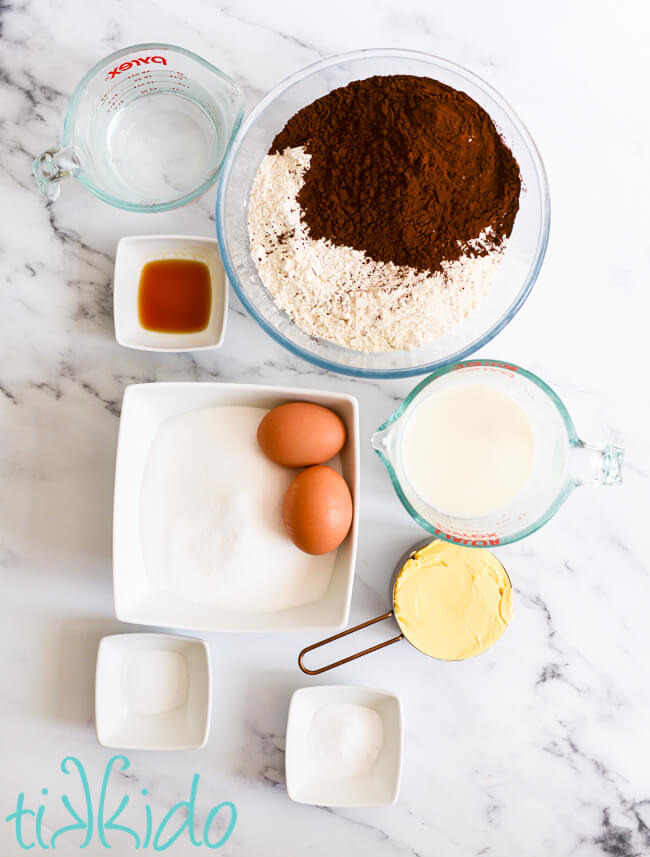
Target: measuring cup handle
[[345, 633], [595, 465], [51, 166]]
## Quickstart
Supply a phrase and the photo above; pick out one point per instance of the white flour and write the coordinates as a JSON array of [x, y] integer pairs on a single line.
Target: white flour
[[338, 293], [211, 517]]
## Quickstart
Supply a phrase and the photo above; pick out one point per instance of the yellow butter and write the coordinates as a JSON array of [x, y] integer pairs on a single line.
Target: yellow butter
[[452, 602]]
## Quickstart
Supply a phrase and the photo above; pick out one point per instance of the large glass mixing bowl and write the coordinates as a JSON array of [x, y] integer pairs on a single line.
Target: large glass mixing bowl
[[516, 275]]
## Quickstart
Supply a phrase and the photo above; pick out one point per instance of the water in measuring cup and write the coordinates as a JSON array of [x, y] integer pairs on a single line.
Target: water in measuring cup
[[161, 146]]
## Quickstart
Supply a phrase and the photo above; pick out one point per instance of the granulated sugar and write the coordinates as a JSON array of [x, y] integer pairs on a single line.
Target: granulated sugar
[[340, 294], [211, 517]]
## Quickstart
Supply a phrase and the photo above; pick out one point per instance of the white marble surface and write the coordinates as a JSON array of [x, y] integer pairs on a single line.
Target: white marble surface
[[540, 747]]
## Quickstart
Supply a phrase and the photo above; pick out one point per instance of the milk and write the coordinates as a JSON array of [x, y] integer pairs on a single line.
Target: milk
[[468, 451]]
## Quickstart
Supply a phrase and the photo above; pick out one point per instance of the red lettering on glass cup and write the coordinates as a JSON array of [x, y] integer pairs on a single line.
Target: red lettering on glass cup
[[127, 65]]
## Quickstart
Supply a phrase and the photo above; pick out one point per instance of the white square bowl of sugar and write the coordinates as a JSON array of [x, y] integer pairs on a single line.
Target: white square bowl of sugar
[[152, 692], [344, 746], [154, 583]]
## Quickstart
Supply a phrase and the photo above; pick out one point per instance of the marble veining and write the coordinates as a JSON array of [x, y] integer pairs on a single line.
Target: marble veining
[[538, 748]]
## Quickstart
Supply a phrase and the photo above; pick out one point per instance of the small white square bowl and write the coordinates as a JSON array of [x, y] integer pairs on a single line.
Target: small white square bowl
[[133, 253], [136, 599], [307, 784], [119, 723]]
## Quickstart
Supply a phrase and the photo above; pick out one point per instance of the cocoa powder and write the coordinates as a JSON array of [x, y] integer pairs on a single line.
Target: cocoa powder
[[405, 168]]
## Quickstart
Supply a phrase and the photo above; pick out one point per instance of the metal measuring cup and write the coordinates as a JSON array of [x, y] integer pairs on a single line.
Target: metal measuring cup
[[401, 636]]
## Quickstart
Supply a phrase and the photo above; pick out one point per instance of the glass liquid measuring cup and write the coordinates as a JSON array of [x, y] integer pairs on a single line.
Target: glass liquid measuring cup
[[561, 462], [147, 129]]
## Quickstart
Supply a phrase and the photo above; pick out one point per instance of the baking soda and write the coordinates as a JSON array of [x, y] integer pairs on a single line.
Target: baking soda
[[155, 682], [345, 739]]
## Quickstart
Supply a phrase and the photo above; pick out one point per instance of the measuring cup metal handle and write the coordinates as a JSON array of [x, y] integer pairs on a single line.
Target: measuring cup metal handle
[[345, 633], [51, 166]]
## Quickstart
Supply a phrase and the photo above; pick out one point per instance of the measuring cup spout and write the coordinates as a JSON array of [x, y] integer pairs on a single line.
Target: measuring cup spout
[[380, 440], [51, 166], [594, 465]]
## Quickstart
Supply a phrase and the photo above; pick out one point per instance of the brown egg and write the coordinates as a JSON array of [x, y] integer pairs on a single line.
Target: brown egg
[[298, 434], [317, 510]]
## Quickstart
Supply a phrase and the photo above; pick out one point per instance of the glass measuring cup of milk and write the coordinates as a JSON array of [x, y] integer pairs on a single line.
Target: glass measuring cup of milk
[[146, 129], [484, 453]]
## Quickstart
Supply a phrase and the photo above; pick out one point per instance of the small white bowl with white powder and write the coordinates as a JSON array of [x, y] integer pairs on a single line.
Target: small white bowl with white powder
[[152, 692], [344, 746]]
